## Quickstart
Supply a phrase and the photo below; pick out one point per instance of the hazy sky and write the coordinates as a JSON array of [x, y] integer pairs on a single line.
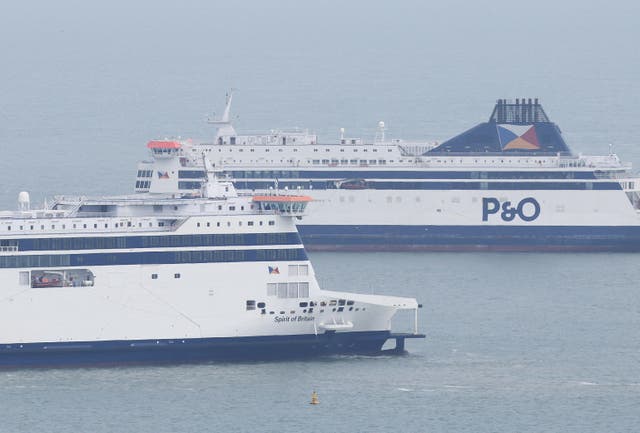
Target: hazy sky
[[83, 76]]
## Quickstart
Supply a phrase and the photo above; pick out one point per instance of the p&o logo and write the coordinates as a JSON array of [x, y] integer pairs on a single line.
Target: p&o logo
[[528, 209]]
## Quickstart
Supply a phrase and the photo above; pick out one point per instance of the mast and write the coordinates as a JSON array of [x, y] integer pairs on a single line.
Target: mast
[[223, 125]]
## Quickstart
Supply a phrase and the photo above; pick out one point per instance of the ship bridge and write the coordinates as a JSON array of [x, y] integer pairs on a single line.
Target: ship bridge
[[284, 204]]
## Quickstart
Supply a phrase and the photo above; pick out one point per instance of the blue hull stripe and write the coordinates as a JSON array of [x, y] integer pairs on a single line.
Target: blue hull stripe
[[189, 350], [396, 237], [102, 242], [150, 258]]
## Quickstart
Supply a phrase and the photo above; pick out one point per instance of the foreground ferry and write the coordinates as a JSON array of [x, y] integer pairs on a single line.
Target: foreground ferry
[[171, 278], [511, 183]]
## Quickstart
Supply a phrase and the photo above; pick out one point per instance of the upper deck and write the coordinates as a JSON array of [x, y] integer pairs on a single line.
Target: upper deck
[[518, 135]]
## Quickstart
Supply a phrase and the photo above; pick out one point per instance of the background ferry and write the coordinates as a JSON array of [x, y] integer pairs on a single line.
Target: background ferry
[[173, 278], [511, 183]]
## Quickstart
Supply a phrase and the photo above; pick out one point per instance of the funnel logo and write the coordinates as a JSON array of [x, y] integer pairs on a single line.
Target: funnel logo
[[528, 209], [518, 137]]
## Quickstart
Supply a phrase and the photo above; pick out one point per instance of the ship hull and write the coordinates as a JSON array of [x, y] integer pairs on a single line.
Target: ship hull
[[470, 238], [198, 350]]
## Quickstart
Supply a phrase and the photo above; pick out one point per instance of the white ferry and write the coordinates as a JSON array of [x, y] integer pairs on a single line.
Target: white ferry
[[152, 278], [511, 183]]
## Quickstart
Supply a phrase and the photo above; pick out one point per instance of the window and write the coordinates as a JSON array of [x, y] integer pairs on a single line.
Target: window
[[272, 223], [292, 291], [282, 290], [293, 270], [176, 276], [251, 305], [272, 289], [303, 290], [154, 276]]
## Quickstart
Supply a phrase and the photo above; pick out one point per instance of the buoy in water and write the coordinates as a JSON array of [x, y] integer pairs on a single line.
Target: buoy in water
[[314, 398]]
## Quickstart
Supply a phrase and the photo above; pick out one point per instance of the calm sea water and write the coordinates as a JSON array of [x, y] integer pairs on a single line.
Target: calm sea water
[[516, 342]]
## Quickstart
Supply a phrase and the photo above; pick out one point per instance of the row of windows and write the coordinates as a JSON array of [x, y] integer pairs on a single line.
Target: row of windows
[[391, 185], [83, 226], [349, 174], [131, 242], [150, 258], [267, 149], [191, 174], [145, 173], [249, 223], [140, 224], [298, 270], [288, 290], [350, 161], [189, 185], [144, 184]]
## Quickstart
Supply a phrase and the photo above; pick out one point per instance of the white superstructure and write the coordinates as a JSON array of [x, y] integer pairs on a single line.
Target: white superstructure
[[510, 183], [170, 277]]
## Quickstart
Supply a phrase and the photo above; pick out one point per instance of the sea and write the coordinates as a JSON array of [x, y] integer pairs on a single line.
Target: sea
[[518, 342]]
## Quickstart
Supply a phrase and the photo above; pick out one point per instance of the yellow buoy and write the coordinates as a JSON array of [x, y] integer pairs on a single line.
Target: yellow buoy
[[314, 398]]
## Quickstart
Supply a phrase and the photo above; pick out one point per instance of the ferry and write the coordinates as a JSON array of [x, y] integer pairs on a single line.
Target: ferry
[[173, 278], [509, 184]]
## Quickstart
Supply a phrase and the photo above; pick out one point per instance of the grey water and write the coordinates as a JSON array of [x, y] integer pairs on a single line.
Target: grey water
[[515, 342]]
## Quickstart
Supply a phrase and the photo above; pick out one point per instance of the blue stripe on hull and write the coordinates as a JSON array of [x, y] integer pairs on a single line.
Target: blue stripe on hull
[[175, 351], [470, 238]]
